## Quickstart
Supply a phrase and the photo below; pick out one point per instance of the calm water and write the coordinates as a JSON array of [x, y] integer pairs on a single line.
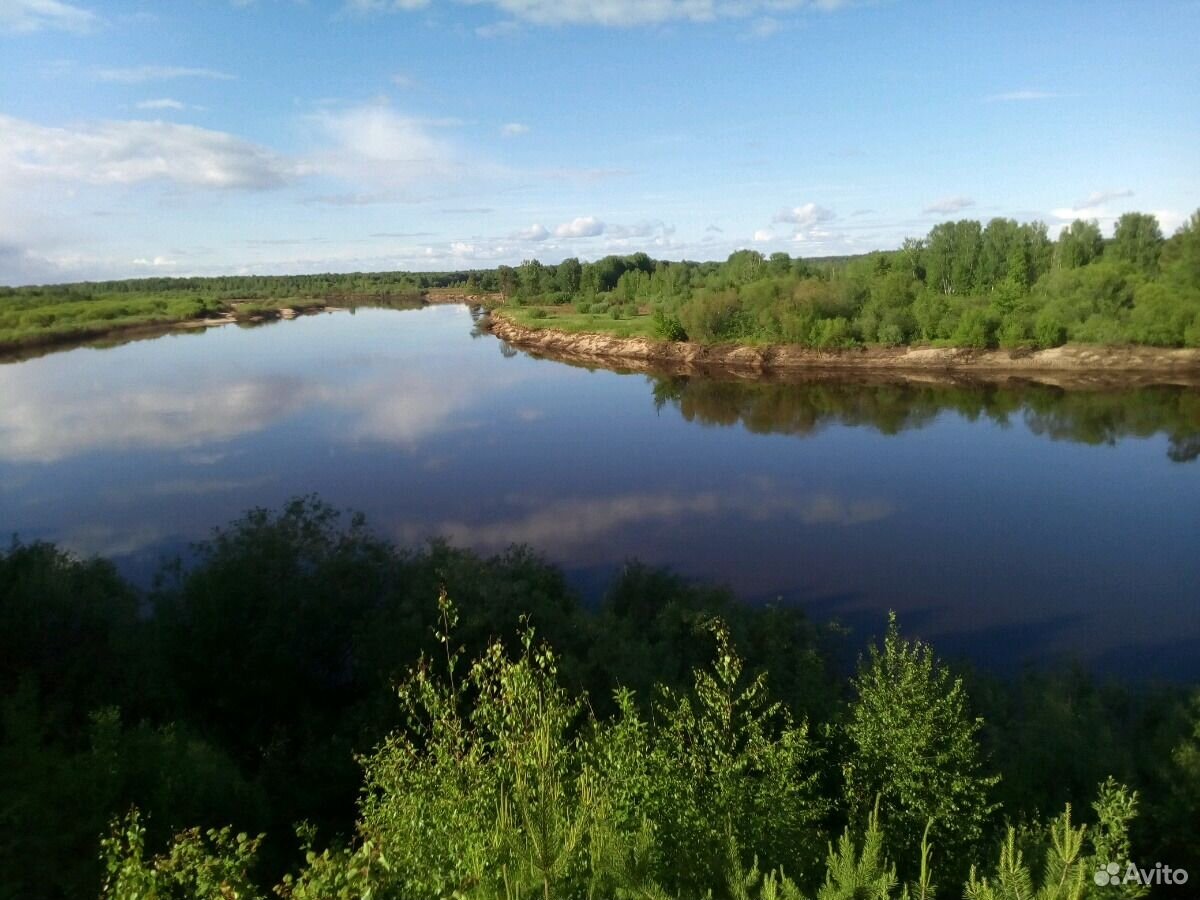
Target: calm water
[[1004, 525]]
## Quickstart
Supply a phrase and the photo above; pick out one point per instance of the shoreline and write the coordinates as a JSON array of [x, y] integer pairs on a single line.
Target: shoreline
[[40, 345], [1078, 364]]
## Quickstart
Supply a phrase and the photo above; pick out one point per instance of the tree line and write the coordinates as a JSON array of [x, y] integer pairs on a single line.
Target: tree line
[[966, 284], [237, 726]]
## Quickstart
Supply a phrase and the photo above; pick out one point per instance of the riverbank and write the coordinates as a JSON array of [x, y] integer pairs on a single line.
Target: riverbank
[[1115, 364], [120, 331], [64, 331]]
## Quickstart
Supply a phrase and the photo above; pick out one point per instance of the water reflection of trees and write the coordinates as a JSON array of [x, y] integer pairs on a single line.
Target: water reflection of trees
[[1083, 416]]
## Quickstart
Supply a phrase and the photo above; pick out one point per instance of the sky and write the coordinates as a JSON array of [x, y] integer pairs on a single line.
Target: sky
[[204, 137]]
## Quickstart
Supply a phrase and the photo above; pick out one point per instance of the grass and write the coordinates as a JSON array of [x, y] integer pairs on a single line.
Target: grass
[[564, 318], [45, 319], [32, 320]]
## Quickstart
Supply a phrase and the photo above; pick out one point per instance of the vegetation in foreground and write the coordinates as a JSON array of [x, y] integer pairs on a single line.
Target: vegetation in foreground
[[966, 284], [674, 743]]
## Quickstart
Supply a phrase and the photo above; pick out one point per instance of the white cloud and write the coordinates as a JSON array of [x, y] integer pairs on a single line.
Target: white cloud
[[765, 27], [647, 228], [807, 220], [141, 74], [947, 205], [403, 81], [514, 129], [376, 143], [625, 13], [534, 232], [1099, 198], [583, 226], [369, 6], [619, 13], [128, 152], [161, 103], [804, 216], [35, 15]]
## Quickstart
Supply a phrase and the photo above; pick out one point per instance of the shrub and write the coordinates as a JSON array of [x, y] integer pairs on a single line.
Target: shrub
[[667, 326], [1014, 332], [828, 334], [974, 330], [889, 334], [1049, 331]]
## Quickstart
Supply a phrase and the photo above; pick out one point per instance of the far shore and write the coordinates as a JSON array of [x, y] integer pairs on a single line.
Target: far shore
[[104, 334], [1072, 365]]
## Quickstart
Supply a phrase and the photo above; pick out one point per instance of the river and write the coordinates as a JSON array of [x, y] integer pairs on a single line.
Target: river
[[1008, 524]]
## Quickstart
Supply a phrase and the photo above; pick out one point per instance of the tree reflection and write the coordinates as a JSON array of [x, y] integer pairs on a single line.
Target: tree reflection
[[1088, 416]]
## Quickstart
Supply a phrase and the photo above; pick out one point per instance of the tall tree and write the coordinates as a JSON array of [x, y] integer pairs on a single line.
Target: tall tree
[[1079, 244], [952, 256], [569, 274], [1138, 239]]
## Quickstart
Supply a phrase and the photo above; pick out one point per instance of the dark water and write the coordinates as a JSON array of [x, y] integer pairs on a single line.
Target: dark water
[[1003, 524]]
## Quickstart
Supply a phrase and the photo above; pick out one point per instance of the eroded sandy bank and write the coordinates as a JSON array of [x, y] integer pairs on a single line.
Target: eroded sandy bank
[[1070, 364]]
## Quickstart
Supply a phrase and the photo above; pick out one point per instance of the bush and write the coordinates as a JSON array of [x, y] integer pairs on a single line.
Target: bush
[[1049, 331], [830, 334], [1014, 332], [1161, 316], [974, 330], [890, 335], [667, 326]]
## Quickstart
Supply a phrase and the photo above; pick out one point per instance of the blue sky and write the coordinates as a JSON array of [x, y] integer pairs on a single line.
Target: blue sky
[[274, 136]]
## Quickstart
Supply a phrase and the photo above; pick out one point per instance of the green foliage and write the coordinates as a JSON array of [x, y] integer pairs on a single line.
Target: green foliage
[[499, 784], [966, 284], [975, 330], [632, 761], [215, 865], [722, 763], [913, 751], [1138, 240], [1079, 243], [1066, 875], [667, 326]]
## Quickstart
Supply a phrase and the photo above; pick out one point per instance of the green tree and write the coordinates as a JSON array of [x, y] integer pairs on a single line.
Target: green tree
[[1138, 239], [1079, 244], [568, 275], [913, 749], [779, 264], [951, 256], [1181, 254]]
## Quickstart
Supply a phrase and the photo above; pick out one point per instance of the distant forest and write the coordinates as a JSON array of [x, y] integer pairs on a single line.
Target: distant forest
[[966, 284]]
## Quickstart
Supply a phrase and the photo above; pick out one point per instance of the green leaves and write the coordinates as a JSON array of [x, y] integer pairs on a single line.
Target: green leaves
[[913, 750], [214, 865]]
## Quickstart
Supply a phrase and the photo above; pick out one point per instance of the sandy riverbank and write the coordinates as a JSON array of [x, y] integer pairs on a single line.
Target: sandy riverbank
[[1072, 363]]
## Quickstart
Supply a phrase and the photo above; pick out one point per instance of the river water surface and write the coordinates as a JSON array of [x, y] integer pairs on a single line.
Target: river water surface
[[1005, 524]]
